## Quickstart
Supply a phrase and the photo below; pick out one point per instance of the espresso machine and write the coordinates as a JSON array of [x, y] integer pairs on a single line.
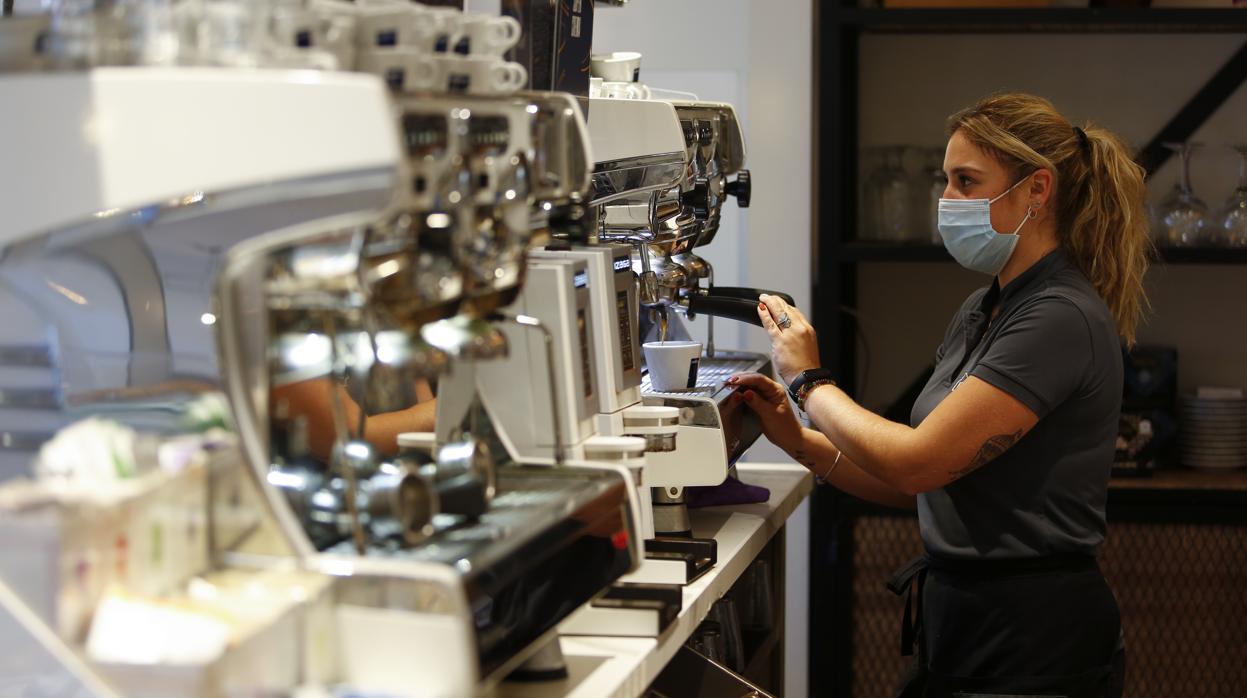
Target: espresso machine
[[124, 494], [715, 145], [143, 281], [363, 309], [660, 181]]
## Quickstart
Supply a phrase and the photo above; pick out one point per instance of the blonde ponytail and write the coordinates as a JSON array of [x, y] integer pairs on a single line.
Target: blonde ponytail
[[1100, 194]]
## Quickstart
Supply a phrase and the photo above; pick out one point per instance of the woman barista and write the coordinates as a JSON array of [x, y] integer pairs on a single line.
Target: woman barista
[[1009, 446]]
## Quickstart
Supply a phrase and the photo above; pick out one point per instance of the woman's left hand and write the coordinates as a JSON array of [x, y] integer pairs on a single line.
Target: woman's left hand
[[794, 346]]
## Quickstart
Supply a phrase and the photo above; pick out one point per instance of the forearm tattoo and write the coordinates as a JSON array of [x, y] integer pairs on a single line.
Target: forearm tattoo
[[991, 448], [800, 456]]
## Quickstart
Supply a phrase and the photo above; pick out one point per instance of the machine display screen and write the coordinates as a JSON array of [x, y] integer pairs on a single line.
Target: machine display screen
[[581, 279], [625, 330], [489, 135], [623, 264], [424, 133]]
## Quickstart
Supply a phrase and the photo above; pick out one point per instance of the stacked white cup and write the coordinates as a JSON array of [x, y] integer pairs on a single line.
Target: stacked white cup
[[617, 76], [420, 48]]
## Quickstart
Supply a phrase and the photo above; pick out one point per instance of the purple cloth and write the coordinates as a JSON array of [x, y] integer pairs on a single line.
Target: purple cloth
[[732, 491]]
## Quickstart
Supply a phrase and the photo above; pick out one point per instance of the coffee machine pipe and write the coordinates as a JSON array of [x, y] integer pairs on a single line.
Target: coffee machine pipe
[[527, 322], [710, 322]]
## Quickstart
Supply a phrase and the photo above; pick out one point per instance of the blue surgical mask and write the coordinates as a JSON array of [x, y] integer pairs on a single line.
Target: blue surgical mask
[[966, 227]]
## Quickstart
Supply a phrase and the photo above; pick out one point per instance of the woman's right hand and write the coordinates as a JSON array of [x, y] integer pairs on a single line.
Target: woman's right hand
[[769, 400]]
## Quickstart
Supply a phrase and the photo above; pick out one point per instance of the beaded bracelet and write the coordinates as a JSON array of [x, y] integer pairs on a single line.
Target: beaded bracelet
[[804, 392]]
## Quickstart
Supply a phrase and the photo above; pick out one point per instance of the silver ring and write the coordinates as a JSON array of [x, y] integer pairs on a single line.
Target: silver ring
[[784, 321]]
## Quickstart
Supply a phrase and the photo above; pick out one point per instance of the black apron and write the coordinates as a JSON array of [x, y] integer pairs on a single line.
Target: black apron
[[1009, 628]]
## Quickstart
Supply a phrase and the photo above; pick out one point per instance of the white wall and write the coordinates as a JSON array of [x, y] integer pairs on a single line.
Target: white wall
[[756, 54], [1130, 84]]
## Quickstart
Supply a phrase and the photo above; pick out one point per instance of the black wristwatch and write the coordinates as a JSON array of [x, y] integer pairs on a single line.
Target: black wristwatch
[[808, 377]]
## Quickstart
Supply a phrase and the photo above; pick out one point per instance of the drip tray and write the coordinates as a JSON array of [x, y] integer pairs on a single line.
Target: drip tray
[[712, 375]]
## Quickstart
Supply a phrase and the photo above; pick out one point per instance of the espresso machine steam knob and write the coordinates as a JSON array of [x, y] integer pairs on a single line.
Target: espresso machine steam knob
[[742, 188]]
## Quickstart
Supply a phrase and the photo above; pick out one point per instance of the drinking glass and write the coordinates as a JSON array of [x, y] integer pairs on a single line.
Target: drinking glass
[[708, 640], [1183, 216], [936, 184], [87, 33], [1234, 215], [724, 613], [887, 199], [756, 612], [230, 33]]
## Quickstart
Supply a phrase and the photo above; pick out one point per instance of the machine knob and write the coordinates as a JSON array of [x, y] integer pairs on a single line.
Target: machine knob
[[742, 188]]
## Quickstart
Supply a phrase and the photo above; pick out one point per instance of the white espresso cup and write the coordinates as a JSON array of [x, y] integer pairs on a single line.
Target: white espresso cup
[[480, 75], [620, 66], [672, 365], [443, 25], [489, 35], [392, 25], [624, 90], [313, 37], [403, 69]]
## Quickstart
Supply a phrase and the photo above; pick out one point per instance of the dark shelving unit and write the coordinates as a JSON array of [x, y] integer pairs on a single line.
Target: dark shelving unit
[[854, 252], [1098, 20], [838, 28]]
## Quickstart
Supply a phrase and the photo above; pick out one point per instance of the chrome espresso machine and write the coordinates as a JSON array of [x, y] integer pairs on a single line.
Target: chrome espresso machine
[[659, 185], [148, 283]]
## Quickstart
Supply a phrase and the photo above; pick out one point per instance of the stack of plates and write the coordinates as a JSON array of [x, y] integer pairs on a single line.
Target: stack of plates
[[1214, 432]]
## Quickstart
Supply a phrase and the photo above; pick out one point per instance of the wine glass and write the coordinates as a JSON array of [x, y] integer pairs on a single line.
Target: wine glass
[[1183, 216], [1234, 215], [937, 182], [887, 195]]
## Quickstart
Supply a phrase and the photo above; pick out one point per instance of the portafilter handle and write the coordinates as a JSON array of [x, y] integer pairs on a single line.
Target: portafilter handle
[[742, 308], [748, 293]]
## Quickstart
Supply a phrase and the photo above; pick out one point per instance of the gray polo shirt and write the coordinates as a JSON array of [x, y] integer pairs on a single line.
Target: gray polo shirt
[[1054, 347]]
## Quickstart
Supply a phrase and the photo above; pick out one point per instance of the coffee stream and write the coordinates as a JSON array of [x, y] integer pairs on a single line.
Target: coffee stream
[[662, 324]]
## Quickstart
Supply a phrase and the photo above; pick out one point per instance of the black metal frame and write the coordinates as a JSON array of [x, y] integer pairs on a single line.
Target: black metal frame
[[1044, 20], [838, 26], [1195, 112], [887, 252]]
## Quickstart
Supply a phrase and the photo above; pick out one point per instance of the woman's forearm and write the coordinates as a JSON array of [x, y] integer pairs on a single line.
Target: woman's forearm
[[817, 453], [382, 430], [882, 449]]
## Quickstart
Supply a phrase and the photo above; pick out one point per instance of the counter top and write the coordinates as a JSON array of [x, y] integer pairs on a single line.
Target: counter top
[[1185, 479], [623, 667]]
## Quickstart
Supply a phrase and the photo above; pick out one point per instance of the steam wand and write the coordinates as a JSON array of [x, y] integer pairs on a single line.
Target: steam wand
[[338, 410]]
